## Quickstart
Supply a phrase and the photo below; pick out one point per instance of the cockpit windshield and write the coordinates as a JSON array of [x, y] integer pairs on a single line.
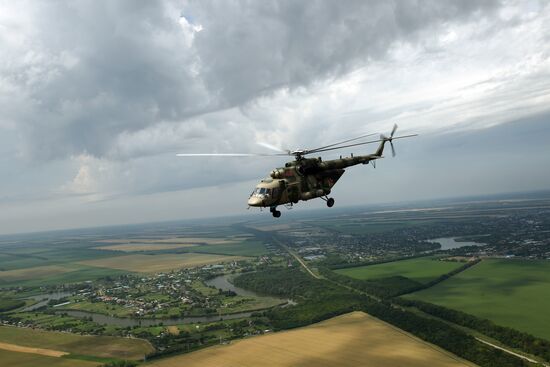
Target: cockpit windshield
[[262, 191]]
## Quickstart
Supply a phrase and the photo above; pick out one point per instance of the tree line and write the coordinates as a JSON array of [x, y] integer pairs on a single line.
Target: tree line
[[511, 337], [320, 299]]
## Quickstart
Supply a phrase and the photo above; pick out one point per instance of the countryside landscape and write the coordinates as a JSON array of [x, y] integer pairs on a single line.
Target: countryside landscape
[[282, 183], [460, 282]]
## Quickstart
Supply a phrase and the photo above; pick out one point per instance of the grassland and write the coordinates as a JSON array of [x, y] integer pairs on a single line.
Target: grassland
[[136, 247], [246, 248], [53, 274], [514, 293], [159, 263], [17, 359], [11, 276], [171, 240], [98, 346], [422, 269], [362, 227], [355, 339]]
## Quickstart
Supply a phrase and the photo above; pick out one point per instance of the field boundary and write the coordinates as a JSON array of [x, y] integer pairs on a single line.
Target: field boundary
[[441, 278]]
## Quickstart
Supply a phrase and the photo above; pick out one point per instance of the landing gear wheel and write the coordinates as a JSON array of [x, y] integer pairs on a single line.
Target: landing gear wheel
[[275, 212], [330, 202]]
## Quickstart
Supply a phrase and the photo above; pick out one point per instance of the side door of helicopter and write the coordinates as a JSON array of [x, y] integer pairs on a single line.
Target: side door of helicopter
[[280, 194]]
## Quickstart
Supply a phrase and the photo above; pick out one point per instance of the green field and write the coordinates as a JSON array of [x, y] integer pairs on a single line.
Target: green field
[[422, 269], [245, 248], [514, 293], [98, 346], [54, 274], [363, 227], [16, 359]]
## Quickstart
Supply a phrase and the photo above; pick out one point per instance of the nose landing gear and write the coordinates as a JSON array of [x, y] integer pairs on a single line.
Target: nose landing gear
[[275, 212]]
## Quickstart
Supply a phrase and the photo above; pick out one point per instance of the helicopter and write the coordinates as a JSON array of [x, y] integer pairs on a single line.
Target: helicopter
[[306, 178]]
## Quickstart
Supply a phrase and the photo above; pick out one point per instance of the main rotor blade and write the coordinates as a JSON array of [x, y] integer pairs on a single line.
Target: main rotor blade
[[228, 155], [366, 142], [314, 150], [272, 147]]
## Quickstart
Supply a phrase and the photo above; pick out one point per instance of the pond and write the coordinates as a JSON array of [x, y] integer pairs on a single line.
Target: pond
[[43, 299], [448, 243]]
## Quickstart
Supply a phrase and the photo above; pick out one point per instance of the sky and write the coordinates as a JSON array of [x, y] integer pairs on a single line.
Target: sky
[[98, 96]]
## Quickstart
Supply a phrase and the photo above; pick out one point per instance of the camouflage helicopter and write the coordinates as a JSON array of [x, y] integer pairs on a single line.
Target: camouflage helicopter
[[306, 178]]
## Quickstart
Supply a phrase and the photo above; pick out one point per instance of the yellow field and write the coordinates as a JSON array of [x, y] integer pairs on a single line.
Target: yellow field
[[52, 343], [173, 330], [33, 273], [132, 247], [159, 263], [17, 359], [41, 351], [355, 339]]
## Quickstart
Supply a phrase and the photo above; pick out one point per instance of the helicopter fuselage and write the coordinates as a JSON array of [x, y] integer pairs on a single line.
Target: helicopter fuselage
[[306, 178], [303, 179]]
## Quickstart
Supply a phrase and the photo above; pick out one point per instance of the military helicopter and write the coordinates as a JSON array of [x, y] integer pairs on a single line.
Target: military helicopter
[[306, 178]]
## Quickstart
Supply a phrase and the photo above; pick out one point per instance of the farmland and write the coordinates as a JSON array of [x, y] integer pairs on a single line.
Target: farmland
[[360, 228], [158, 263], [514, 293], [245, 248], [136, 247], [98, 346], [17, 359], [52, 274], [122, 283], [421, 269], [350, 340]]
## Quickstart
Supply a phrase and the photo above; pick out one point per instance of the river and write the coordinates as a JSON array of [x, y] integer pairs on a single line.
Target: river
[[131, 321], [448, 243], [43, 299], [222, 282]]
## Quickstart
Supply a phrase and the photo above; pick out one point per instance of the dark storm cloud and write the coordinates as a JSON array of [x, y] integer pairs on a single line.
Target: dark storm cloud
[[91, 70], [253, 47], [85, 72]]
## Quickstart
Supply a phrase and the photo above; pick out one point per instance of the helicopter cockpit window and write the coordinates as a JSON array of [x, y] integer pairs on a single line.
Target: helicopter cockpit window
[[262, 191]]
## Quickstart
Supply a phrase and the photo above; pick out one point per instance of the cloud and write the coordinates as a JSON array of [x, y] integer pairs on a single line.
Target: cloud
[[80, 76], [97, 96]]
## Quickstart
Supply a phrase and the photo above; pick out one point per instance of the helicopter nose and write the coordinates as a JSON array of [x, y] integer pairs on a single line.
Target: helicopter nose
[[255, 201]]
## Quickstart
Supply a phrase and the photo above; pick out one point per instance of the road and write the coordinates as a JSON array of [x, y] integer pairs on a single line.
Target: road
[[511, 352], [299, 259]]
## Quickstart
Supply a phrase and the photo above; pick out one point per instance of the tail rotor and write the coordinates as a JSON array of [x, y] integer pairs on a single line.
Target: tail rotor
[[390, 139]]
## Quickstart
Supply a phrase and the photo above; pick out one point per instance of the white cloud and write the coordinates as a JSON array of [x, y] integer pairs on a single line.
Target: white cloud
[[105, 98]]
